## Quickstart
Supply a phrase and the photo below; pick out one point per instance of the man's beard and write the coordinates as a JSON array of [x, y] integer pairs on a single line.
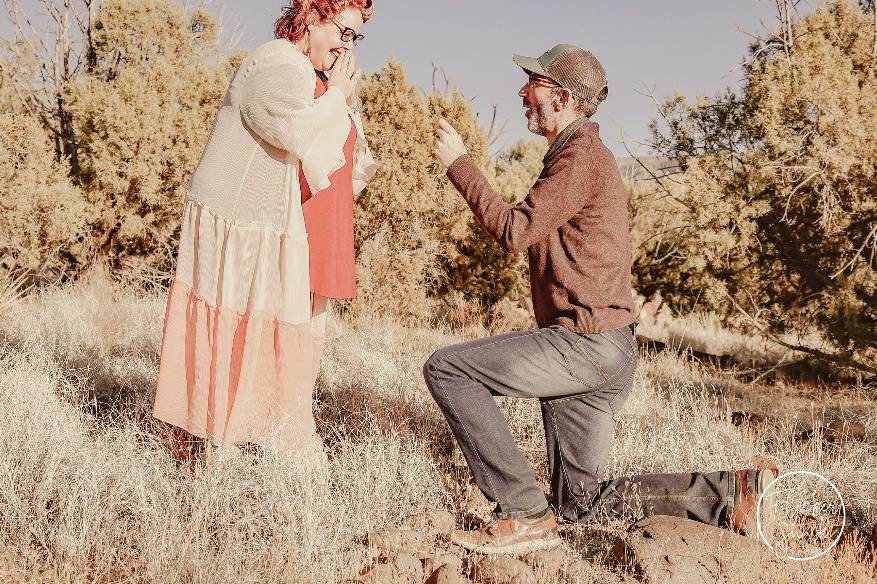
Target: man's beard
[[540, 118]]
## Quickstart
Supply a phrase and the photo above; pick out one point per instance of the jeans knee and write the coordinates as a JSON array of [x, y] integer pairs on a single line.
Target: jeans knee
[[427, 375], [437, 370], [429, 372]]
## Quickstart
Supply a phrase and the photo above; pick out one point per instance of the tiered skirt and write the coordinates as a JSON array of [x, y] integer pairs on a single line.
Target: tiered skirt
[[243, 335]]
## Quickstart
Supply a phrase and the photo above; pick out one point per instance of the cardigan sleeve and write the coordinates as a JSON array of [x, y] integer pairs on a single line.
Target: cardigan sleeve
[[277, 103], [364, 165]]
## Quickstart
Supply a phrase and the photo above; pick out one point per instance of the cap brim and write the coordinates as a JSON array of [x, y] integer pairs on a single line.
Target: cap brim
[[530, 64]]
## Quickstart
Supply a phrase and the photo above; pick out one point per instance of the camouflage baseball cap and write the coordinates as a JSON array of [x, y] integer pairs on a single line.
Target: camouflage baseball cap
[[573, 68]]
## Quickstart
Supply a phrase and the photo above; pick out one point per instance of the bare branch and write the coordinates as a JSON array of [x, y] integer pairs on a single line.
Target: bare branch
[[795, 191], [786, 30], [838, 359], [858, 253], [435, 70], [17, 16], [493, 134], [655, 177]]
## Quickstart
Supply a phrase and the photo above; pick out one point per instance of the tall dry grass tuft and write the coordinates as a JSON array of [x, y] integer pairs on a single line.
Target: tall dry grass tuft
[[90, 494], [11, 290]]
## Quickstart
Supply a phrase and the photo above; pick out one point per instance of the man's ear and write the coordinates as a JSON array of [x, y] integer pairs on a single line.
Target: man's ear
[[566, 98]]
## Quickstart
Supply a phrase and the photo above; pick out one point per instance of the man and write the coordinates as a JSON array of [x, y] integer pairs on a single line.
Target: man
[[580, 362]]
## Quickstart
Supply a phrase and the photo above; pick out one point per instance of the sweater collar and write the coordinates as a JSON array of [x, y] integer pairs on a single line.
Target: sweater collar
[[564, 136]]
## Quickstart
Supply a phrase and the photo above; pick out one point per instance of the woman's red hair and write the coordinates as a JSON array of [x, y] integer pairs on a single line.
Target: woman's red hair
[[300, 14]]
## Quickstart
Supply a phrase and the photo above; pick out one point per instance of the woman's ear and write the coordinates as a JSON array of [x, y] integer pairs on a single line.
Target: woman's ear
[[306, 41]]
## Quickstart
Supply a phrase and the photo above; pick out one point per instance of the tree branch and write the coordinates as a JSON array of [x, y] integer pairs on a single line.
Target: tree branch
[[857, 255], [842, 360]]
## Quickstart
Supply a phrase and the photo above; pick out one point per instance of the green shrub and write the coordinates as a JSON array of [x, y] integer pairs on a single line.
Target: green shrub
[[774, 219]]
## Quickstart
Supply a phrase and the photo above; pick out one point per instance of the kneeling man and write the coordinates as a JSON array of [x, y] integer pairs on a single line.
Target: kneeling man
[[580, 362]]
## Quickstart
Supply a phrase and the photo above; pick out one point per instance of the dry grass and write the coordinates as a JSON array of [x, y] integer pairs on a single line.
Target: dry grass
[[11, 290], [87, 492]]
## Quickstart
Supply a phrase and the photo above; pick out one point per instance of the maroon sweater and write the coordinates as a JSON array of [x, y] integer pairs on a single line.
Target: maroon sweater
[[573, 224]]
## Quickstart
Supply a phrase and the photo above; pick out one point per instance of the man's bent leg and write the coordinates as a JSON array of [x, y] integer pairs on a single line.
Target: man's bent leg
[[704, 497], [580, 439], [498, 466], [465, 378]]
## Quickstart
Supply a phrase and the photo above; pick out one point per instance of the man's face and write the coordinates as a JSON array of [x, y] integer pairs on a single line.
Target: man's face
[[541, 105]]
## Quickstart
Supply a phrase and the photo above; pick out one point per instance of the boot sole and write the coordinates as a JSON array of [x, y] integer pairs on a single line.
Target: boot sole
[[543, 543], [768, 501]]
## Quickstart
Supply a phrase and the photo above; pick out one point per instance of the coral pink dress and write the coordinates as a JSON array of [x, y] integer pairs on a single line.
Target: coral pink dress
[[237, 376], [329, 223]]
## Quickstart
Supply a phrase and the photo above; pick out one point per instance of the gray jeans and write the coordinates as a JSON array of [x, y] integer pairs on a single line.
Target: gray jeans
[[581, 382]]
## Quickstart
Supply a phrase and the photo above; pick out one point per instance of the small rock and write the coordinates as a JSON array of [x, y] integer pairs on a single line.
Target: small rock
[[843, 431], [396, 569], [394, 541], [474, 502], [380, 574], [446, 575], [407, 568], [503, 570], [546, 562], [430, 523], [436, 561], [663, 549]]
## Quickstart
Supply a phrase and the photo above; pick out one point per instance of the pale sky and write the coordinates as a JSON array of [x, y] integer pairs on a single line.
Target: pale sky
[[690, 46]]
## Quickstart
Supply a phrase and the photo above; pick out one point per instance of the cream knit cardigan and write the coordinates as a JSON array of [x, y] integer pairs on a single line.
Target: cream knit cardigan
[[243, 244]]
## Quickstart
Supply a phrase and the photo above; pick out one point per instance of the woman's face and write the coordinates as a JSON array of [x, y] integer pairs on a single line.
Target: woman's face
[[325, 38]]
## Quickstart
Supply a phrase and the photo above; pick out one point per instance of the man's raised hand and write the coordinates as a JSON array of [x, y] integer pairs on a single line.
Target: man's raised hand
[[448, 144]]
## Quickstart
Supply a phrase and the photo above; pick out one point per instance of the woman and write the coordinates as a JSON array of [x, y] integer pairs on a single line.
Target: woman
[[267, 237]]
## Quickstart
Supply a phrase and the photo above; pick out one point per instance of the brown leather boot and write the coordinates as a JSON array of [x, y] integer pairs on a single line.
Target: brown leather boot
[[753, 483]]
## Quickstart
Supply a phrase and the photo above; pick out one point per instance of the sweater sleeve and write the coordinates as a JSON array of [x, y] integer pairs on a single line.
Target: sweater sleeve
[[277, 103], [561, 192]]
